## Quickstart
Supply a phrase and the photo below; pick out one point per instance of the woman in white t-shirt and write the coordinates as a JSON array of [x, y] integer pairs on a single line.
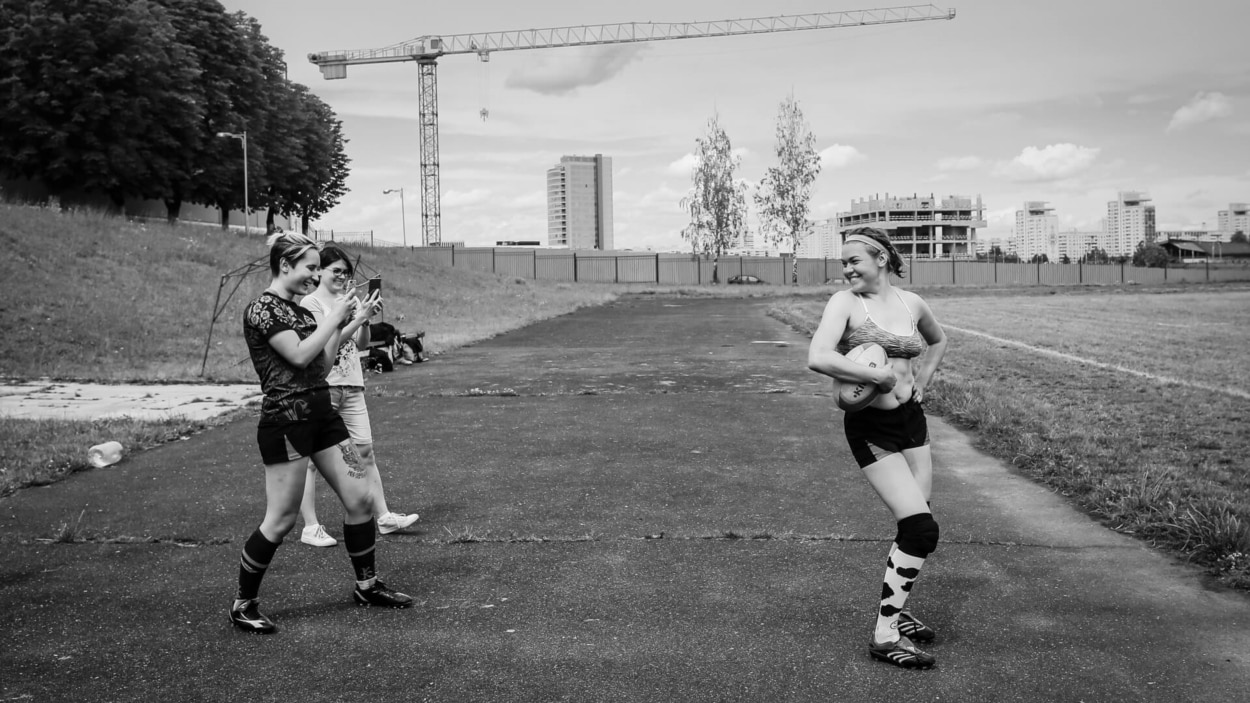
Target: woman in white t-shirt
[[347, 395]]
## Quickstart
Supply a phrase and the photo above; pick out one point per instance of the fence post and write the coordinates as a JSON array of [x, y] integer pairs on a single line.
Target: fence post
[[953, 281], [1165, 271], [575, 267], [995, 269], [453, 256], [1121, 272], [371, 244], [616, 269], [657, 269], [1080, 272], [1039, 271], [492, 259], [1208, 267], [534, 254]]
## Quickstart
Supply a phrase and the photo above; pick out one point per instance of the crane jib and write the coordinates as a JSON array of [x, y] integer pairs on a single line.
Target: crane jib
[[427, 50]]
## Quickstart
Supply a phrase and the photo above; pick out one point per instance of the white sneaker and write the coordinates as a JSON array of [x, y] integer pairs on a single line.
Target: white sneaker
[[317, 537], [390, 522]]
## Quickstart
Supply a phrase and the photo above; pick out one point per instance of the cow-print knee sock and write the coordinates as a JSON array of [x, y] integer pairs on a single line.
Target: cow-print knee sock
[[901, 571]]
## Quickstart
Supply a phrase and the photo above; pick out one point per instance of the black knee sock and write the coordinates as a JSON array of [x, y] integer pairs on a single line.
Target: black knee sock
[[360, 540], [257, 553]]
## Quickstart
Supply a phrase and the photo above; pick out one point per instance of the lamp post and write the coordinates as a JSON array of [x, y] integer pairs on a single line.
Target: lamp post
[[403, 218], [241, 136]]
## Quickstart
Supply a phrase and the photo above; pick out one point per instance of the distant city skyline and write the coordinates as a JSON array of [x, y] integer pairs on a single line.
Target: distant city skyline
[[1066, 102]]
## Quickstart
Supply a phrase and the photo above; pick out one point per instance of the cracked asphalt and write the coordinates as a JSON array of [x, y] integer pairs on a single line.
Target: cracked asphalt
[[647, 501]]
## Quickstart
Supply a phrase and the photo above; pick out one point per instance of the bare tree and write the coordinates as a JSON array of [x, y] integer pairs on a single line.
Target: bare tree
[[785, 191], [716, 202]]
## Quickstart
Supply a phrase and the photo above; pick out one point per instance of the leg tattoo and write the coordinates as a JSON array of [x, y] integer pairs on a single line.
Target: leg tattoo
[[352, 458]]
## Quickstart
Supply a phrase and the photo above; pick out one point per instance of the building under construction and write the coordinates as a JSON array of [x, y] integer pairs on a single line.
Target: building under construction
[[921, 227]]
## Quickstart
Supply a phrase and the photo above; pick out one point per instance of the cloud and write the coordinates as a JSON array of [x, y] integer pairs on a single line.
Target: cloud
[[683, 166], [1049, 163], [1203, 107], [688, 163], [840, 156], [959, 163], [456, 198], [565, 72]]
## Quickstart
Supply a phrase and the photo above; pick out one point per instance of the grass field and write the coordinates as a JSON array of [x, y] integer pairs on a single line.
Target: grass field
[[1164, 459]]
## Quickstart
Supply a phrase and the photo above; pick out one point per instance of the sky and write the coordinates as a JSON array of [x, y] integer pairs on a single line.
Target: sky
[[1064, 101]]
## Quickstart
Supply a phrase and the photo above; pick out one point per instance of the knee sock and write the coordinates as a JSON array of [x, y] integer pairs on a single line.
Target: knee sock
[[257, 553], [360, 540], [901, 571]]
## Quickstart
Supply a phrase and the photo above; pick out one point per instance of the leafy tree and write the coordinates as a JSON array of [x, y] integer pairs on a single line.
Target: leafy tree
[[320, 179], [1039, 259], [1096, 256], [96, 96], [227, 92], [1065, 259], [716, 202], [1238, 236], [786, 189], [1150, 255]]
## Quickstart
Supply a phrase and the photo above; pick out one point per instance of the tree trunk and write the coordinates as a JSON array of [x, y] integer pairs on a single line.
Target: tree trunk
[[225, 217], [173, 208], [269, 227]]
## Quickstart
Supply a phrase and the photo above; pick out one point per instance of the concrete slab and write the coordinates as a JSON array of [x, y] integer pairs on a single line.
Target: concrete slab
[[86, 401]]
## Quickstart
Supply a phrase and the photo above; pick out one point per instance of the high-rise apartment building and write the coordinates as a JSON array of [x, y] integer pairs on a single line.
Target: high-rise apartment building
[[921, 227], [1235, 219], [1037, 231], [579, 203], [1075, 245], [1130, 221], [822, 241]]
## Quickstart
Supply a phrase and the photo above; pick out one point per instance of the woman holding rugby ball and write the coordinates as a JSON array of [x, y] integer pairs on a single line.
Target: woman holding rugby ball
[[292, 352], [889, 438]]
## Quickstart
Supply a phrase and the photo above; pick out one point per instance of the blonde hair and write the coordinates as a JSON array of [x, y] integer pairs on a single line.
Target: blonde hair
[[288, 246]]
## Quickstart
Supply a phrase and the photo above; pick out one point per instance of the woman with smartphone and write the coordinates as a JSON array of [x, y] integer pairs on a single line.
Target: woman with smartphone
[[347, 393], [291, 351]]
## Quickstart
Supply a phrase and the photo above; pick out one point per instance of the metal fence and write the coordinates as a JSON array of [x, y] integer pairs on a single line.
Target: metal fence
[[687, 269]]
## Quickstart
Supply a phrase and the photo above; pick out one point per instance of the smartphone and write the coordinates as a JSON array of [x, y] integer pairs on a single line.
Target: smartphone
[[375, 284]]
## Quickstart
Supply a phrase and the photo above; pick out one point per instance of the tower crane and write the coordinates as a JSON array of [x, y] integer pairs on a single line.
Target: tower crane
[[426, 50]]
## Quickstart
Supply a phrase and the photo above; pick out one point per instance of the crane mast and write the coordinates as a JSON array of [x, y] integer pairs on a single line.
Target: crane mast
[[426, 50]]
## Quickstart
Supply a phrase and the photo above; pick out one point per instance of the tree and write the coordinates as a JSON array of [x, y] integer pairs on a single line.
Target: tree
[[715, 201], [1065, 259], [1238, 236], [321, 179], [1096, 256], [1150, 255], [786, 189], [97, 97], [1039, 259]]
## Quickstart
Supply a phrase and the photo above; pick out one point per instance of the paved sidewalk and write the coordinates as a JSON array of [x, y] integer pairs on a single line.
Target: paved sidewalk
[[631, 503], [86, 401]]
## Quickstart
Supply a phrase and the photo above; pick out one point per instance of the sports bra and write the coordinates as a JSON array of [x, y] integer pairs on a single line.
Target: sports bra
[[896, 346]]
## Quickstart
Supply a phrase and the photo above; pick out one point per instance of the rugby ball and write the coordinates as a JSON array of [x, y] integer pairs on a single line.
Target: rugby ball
[[857, 396]]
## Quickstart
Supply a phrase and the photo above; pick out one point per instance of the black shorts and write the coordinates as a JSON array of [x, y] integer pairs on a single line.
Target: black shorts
[[283, 440], [874, 433]]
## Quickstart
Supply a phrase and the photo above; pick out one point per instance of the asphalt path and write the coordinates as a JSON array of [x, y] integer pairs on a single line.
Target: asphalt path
[[647, 501]]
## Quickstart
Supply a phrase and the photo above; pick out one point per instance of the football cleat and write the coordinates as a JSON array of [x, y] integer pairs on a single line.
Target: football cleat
[[902, 653], [913, 629], [381, 596], [246, 616]]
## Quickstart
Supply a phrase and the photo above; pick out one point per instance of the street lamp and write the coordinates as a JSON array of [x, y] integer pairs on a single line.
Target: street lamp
[[403, 218], [242, 136]]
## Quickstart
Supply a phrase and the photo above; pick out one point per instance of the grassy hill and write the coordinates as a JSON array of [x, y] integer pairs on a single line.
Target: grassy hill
[[94, 297]]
